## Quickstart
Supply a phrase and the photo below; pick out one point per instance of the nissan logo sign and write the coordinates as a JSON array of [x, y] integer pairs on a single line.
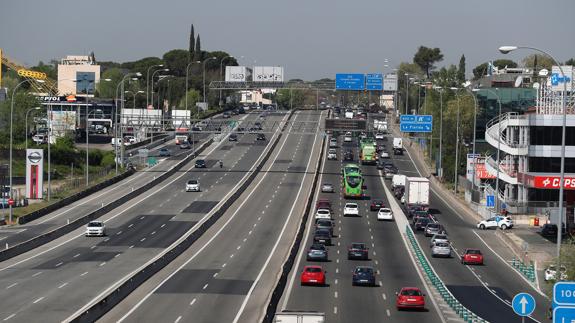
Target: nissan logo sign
[[34, 157]]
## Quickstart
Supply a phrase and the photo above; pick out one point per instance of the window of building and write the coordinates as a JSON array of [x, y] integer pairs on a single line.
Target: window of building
[[85, 82], [551, 136], [550, 165]]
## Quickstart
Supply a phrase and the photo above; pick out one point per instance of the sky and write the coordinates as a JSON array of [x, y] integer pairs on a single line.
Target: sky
[[312, 39]]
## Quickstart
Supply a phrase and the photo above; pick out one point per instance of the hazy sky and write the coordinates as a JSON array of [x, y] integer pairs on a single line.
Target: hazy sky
[[310, 38]]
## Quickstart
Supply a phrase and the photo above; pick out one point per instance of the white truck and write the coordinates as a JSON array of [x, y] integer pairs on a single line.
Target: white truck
[[397, 146], [380, 125], [349, 114], [299, 317], [417, 191], [398, 180]]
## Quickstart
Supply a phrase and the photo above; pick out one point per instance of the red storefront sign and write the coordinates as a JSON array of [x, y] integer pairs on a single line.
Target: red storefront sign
[[480, 171], [552, 182]]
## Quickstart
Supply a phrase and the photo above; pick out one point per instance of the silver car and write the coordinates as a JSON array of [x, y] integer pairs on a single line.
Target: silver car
[[438, 238], [441, 249], [327, 188]]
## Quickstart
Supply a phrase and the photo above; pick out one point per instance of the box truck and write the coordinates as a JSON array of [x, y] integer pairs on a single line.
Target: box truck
[[417, 191], [299, 317]]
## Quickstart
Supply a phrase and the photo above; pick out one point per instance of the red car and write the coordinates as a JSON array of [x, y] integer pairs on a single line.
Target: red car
[[410, 297], [313, 275], [472, 257]]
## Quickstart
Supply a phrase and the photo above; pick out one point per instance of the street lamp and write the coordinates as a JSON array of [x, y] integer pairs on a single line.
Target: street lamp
[[134, 94], [508, 49], [204, 70], [152, 83], [26, 123], [187, 73], [148, 82], [134, 76], [221, 76], [12, 138], [470, 92], [440, 90], [498, 147]]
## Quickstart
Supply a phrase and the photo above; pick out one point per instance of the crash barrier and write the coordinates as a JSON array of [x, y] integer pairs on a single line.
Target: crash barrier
[[527, 270], [114, 297], [158, 140], [465, 314], [289, 263], [58, 232]]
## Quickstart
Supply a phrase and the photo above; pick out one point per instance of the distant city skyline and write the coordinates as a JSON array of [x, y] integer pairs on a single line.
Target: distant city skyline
[[311, 39]]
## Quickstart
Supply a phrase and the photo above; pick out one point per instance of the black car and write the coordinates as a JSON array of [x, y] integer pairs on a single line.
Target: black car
[[380, 164], [550, 230], [317, 252], [348, 155], [200, 163], [322, 236], [398, 191], [421, 223], [376, 205], [363, 275], [358, 251], [233, 137], [240, 129], [389, 171], [260, 136]]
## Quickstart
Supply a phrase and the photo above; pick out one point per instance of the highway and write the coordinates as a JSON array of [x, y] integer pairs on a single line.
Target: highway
[[485, 290], [340, 301], [229, 273], [55, 280]]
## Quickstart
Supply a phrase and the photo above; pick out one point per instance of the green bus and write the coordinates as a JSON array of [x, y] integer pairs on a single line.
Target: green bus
[[352, 181], [367, 152]]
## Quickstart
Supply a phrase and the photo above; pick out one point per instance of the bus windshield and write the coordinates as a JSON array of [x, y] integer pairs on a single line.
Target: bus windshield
[[353, 181]]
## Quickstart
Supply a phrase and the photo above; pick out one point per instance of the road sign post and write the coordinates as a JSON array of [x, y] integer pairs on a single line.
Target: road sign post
[[374, 82], [523, 305], [353, 82], [415, 123], [490, 201]]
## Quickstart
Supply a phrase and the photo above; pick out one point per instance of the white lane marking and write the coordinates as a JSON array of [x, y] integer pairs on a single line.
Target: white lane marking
[[178, 319], [384, 297], [102, 264], [238, 248], [38, 300], [132, 246], [192, 302], [335, 310], [9, 317], [118, 233], [131, 225], [245, 239], [63, 285], [84, 273], [163, 225], [59, 264], [215, 275], [143, 239], [232, 255], [11, 285], [388, 313], [224, 265], [335, 294], [153, 233], [117, 255], [93, 247], [337, 270], [336, 281], [205, 286], [249, 233]]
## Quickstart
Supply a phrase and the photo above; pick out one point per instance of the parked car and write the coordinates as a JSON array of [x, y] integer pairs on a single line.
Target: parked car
[[193, 186], [200, 163], [502, 222], [317, 252], [363, 275], [351, 209], [384, 214], [95, 228], [550, 230], [441, 249], [164, 152], [327, 188], [376, 205], [312, 275], [551, 273], [358, 250], [410, 297], [472, 257]]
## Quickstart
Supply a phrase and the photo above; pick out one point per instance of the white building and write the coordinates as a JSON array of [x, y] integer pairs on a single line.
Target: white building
[[78, 75]]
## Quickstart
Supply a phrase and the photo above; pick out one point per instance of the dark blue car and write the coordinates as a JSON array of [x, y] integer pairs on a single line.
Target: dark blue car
[[363, 275]]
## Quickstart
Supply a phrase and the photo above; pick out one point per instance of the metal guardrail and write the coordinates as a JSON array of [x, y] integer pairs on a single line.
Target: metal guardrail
[[465, 314]]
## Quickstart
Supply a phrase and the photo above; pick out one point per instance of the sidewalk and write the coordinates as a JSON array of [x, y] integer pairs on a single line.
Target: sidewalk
[[523, 242]]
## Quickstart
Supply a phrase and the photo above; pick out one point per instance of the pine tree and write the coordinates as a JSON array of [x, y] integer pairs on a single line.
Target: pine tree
[[192, 43], [198, 49], [534, 67], [461, 69]]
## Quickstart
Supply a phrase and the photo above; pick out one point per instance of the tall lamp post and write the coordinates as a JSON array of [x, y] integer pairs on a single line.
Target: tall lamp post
[[221, 76], [118, 130], [26, 123], [508, 49], [470, 92], [12, 139], [148, 83], [440, 89], [498, 148], [187, 73], [134, 95], [204, 74], [152, 83]]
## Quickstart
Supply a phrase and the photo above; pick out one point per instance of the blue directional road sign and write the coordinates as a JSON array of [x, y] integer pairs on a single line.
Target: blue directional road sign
[[523, 304], [350, 82], [407, 118], [374, 82], [490, 201], [564, 293], [564, 314], [414, 127]]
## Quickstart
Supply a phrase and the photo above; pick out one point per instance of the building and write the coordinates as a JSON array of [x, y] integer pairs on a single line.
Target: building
[[78, 75], [256, 96], [530, 151]]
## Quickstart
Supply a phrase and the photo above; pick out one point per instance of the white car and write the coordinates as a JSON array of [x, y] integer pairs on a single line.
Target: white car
[[322, 214], [332, 143], [384, 214], [347, 138], [332, 154], [96, 228], [379, 136], [439, 237], [503, 222], [351, 209], [384, 154], [327, 188], [551, 273], [193, 186]]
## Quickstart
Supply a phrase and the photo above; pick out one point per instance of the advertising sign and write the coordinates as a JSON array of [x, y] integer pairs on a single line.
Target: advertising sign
[[470, 165], [558, 80], [353, 82], [238, 74], [374, 82], [268, 74], [34, 173], [552, 182], [480, 170], [390, 82]]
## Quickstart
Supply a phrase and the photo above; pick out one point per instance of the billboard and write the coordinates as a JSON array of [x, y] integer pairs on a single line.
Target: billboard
[[238, 74], [374, 82], [390, 82], [353, 82], [268, 74], [558, 80], [34, 173]]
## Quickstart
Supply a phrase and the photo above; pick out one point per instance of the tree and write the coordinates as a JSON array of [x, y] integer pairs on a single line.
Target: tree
[[570, 61], [461, 70], [481, 69], [108, 89], [193, 97], [198, 49], [447, 77], [426, 57], [503, 63], [191, 50], [23, 101], [177, 60], [542, 61], [50, 70], [285, 99]]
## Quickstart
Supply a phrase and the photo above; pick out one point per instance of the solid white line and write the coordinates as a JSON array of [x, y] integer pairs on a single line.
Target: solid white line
[[9, 317]]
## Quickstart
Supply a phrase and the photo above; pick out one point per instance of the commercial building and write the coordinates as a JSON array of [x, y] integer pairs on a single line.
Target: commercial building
[[530, 150], [78, 75]]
